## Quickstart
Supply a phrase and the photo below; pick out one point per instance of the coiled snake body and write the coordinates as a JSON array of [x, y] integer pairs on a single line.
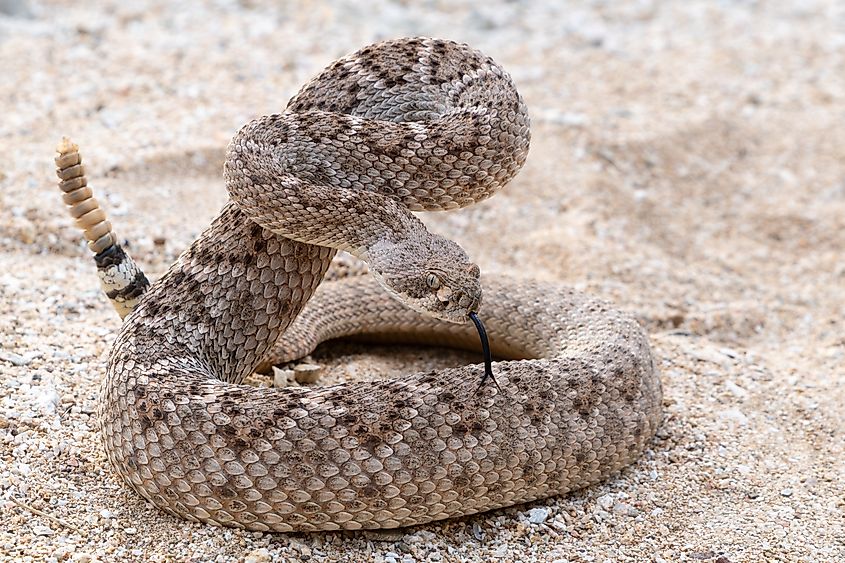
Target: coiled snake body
[[405, 125]]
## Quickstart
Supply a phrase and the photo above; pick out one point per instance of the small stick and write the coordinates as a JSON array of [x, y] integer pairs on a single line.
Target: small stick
[[485, 349], [43, 514]]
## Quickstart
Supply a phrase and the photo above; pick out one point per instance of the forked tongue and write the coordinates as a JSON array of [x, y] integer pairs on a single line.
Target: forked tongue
[[485, 349]]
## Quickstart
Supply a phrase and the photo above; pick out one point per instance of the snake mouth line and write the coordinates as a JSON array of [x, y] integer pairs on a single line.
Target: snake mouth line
[[485, 349]]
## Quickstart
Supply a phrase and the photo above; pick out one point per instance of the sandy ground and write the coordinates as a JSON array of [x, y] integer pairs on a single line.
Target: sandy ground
[[687, 163]]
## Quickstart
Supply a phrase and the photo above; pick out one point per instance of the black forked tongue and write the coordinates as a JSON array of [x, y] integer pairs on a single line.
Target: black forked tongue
[[485, 348]]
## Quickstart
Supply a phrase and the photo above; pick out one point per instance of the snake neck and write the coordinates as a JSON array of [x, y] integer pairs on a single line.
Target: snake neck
[[316, 177], [279, 177]]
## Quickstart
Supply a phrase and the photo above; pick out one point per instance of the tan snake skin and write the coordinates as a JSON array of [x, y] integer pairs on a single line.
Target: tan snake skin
[[411, 124]]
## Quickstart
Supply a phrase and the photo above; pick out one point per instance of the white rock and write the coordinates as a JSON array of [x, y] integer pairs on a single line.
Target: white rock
[[600, 515], [625, 508], [734, 415], [606, 502], [538, 515], [12, 358], [42, 530], [282, 377], [736, 390], [48, 399], [709, 355], [787, 512], [300, 547], [261, 555]]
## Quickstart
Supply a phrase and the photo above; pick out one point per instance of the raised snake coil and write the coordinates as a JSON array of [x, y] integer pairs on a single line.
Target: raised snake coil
[[407, 124]]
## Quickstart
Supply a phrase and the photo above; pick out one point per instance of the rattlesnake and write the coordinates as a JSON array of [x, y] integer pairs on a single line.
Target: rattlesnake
[[404, 125]]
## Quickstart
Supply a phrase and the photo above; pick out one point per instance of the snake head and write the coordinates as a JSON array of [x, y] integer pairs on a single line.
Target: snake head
[[432, 275]]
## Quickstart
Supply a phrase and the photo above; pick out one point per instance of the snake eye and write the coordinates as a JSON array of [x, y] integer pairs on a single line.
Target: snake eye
[[433, 281]]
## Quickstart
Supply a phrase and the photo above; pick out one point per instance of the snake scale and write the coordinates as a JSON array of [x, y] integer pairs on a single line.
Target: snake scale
[[406, 125]]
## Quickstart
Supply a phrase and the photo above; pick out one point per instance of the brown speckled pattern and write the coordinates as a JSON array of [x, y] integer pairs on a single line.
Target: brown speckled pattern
[[182, 431]]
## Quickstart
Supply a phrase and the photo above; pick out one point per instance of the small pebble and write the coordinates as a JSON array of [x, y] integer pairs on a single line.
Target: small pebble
[[303, 549], [736, 390], [601, 515], [130, 531], [411, 539], [709, 355], [383, 535], [12, 358], [261, 555], [538, 515], [42, 530], [307, 373], [48, 399], [606, 501], [282, 377], [734, 415], [625, 508], [786, 493]]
